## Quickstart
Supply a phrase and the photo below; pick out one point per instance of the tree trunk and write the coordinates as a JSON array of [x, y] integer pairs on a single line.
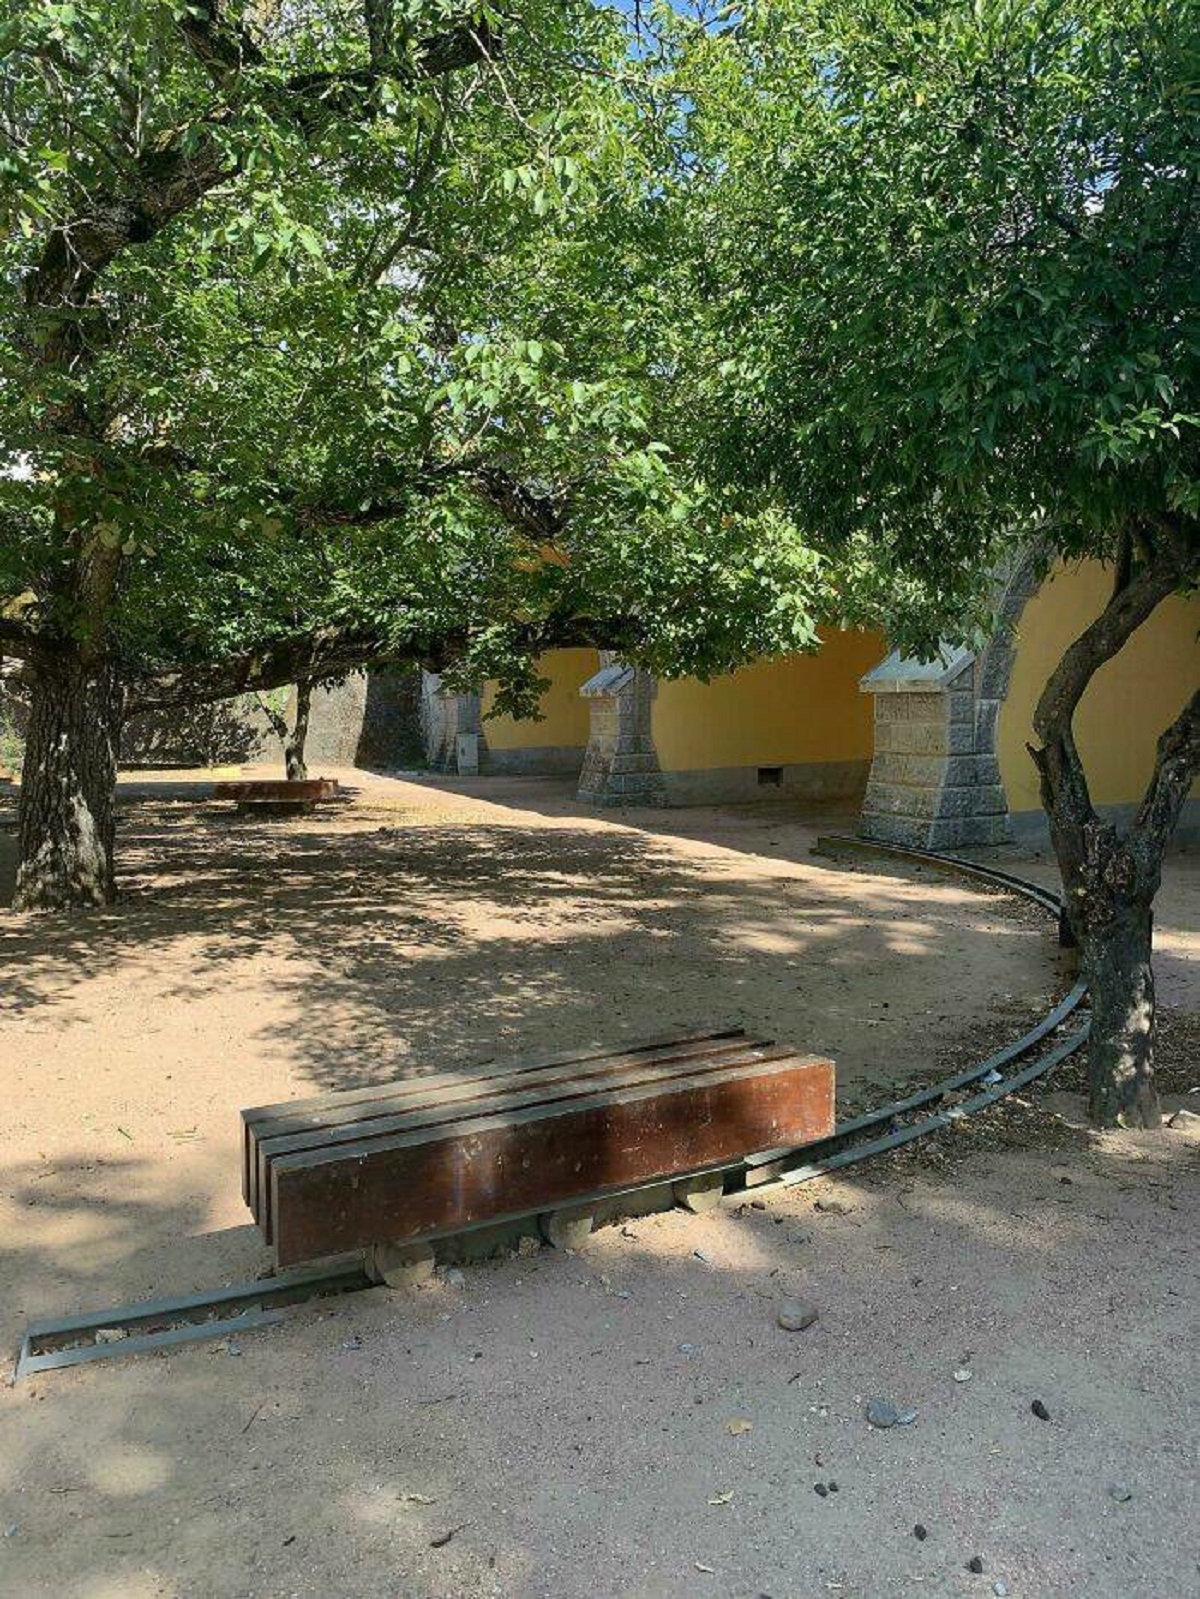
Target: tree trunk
[[293, 748], [1110, 878], [68, 782], [1116, 963], [1109, 882]]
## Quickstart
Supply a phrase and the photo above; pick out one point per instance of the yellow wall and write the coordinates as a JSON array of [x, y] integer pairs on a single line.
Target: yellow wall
[[566, 715], [1128, 703], [798, 708]]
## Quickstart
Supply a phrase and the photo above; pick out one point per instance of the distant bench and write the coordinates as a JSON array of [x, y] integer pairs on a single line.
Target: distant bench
[[277, 797], [426, 1157]]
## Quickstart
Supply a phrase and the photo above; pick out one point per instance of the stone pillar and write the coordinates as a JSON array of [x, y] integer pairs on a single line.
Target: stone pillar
[[931, 787], [620, 766], [444, 715], [935, 781]]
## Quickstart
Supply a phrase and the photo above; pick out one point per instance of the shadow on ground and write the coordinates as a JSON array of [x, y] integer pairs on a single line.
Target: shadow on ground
[[427, 946]]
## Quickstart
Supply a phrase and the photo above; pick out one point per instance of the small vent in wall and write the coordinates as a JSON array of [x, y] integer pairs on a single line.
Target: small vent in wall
[[770, 777]]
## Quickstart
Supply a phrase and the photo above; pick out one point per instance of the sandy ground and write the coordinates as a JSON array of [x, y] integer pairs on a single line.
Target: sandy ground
[[567, 1417]]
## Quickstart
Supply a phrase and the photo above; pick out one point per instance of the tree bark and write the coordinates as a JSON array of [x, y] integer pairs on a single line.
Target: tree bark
[[1109, 882], [293, 748], [68, 784], [1110, 878], [1116, 960]]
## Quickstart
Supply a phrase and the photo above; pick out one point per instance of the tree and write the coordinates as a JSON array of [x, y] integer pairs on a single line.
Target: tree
[[308, 362], [948, 262], [291, 737], [118, 121]]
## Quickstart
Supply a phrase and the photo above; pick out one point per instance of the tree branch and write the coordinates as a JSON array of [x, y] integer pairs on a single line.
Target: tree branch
[[1123, 567], [221, 46], [333, 652], [1176, 765], [166, 182], [378, 16], [543, 515], [1105, 637], [324, 652], [1066, 798], [277, 723], [170, 179]]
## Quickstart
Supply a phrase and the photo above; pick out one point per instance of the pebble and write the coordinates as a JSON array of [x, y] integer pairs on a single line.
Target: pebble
[[455, 1277], [1000, 1588], [975, 1564], [832, 1207], [795, 1315], [1120, 1493], [820, 1488], [963, 1374], [1040, 1410], [353, 1342], [882, 1413], [920, 1533]]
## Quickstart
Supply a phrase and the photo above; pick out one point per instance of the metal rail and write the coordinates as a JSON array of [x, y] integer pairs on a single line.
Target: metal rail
[[158, 1323], [145, 1327]]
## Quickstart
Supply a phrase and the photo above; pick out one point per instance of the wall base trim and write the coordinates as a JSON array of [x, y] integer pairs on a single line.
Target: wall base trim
[[537, 760], [800, 780], [1030, 828]]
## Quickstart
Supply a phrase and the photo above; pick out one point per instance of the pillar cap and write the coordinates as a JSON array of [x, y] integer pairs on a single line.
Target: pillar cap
[[608, 680], [904, 674]]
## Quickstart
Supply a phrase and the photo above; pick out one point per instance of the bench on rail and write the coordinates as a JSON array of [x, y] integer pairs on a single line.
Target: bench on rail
[[430, 1156], [276, 797]]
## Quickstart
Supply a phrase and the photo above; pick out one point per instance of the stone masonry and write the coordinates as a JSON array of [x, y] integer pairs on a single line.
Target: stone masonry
[[935, 781], [620, 766], [444, 715]]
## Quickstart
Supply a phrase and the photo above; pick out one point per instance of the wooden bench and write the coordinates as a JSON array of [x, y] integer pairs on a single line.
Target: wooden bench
[[429, 1156], [262, 796]]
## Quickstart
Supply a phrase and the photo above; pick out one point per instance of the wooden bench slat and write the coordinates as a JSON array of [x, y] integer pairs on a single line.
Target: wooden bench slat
[[256, 1120], [335, 1097], [441, 1178], [270, 789], [451, 1115], [446, 1090]]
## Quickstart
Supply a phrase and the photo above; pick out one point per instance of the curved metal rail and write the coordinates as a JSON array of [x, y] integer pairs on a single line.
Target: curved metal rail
[[832, 1153]]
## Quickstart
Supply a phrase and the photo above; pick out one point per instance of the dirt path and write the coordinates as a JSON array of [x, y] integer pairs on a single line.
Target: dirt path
[[569, 1415]]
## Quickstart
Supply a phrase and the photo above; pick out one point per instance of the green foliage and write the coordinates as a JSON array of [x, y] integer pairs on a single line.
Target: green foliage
[[274, 410], [947, 260], [807, 314]]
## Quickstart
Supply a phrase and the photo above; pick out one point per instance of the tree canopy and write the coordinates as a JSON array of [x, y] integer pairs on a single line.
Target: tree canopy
[[951, 261], [337, 322]]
